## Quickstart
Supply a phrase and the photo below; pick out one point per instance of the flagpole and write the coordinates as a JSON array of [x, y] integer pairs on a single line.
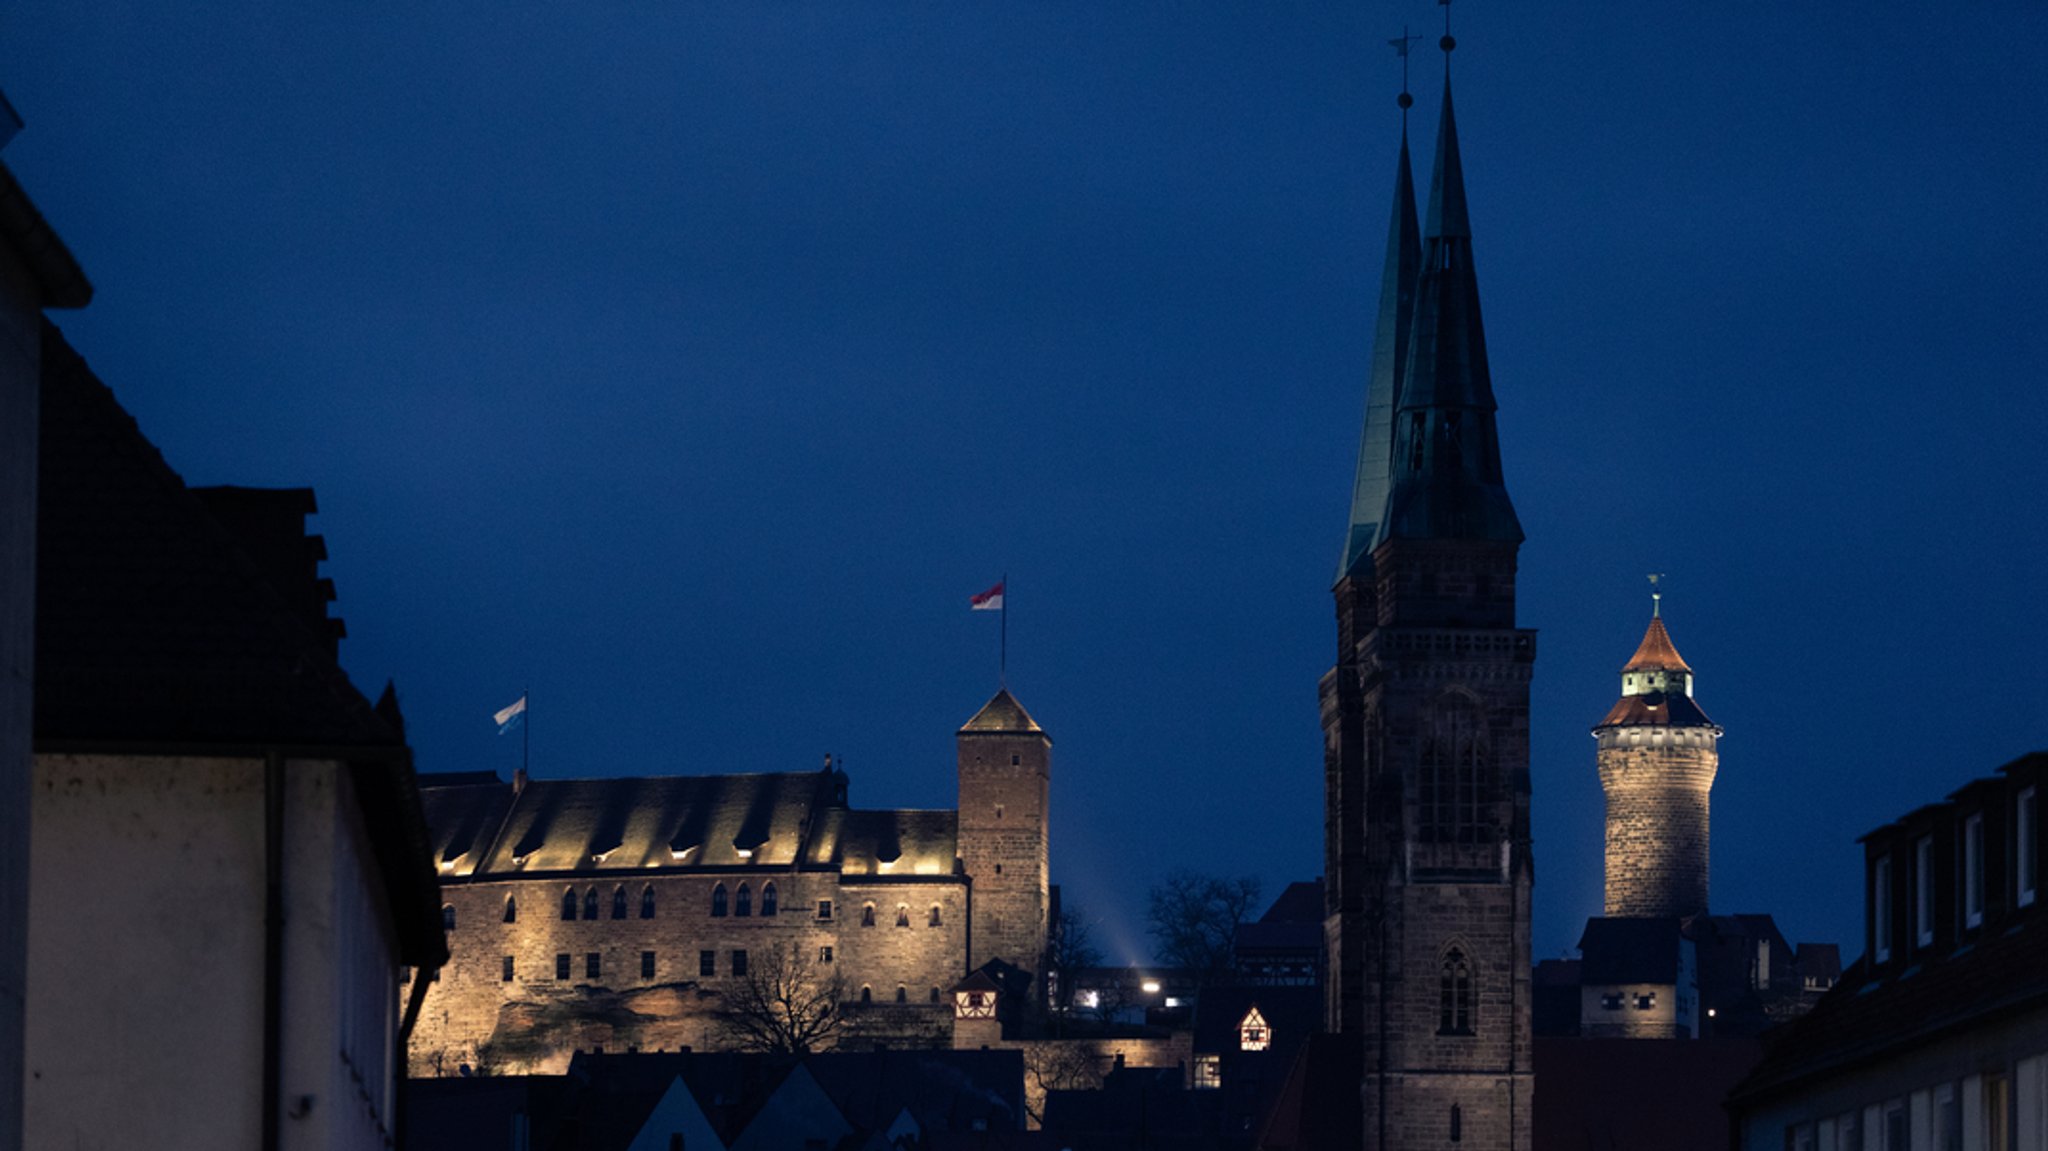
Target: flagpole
[[526, 732], [1003, 644]]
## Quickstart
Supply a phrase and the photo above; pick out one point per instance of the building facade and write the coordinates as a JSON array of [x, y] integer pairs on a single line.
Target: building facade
[[1937, 1037], [624, 914], [1426, 716], [1658, 753]]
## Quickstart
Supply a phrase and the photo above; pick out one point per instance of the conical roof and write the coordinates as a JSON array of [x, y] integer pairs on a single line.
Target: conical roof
[[1389, 359], [1005, 715], [1656, 652]]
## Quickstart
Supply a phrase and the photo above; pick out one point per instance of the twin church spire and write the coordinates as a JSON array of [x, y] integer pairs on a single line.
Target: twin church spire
[[1429, 457]]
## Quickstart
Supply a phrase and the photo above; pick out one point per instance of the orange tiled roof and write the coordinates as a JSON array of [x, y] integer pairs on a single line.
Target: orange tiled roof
[[1656, 652]]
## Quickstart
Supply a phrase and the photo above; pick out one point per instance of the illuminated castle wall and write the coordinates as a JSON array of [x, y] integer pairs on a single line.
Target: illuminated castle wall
[[611, 913]]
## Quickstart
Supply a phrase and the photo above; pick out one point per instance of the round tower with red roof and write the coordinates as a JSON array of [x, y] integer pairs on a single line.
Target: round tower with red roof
[[1657, 755]]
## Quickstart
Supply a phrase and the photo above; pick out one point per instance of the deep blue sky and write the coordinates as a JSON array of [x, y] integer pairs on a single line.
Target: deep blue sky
[[693, 363]]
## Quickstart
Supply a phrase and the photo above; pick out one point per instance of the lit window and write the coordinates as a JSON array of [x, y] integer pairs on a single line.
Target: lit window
[[1923, 892], [2026, 847], [1252, 1032], [768, 902], [1881, 908], [1973, 871], [1208, 1072], [647, 965]]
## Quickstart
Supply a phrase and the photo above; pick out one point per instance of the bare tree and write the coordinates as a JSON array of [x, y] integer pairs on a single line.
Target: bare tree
[[787, 1003], [1071, 948], [1073, 1065], [1193, 920]]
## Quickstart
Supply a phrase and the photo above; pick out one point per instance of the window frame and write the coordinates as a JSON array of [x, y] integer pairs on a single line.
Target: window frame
[[2026, 846], [1923, 891], [1973, 870], [1881, 907]]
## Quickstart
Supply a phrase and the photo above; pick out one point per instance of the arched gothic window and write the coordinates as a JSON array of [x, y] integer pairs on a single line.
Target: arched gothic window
[[718, 902], [569, 904], [1454, 997], [647, 902], [619, 902], [903, 915], [935, 918], [511, 910], [1457, 1123], [768, 906], [1454, 789], [867, 915], [744, 905], [590, 904], [867, 994], [902, 993]]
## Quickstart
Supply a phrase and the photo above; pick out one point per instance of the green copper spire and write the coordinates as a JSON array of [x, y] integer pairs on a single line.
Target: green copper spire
[[1389, 355], [1446, 461]]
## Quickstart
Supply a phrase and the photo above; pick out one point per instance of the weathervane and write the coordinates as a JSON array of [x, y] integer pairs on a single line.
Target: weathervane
[[1656, 596], [1400, 46]]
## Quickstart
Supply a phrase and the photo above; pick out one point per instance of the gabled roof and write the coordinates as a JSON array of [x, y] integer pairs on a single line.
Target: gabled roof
[[1002, 714], [153, 626]]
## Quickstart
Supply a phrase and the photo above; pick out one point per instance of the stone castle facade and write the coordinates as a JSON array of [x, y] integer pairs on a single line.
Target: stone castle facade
[[1657, 756], [1426, 718], [616, 914]]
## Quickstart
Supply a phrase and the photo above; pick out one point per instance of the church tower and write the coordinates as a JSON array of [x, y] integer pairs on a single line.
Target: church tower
[[1005, 762], [1657, 755], [1426, 715]]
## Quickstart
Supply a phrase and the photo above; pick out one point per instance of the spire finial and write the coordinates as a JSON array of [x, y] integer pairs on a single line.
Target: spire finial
[[1404, 100], [1448, 43], [1656, 595]]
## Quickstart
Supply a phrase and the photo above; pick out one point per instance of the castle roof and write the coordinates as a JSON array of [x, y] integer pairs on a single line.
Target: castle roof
[[1656, 652], [741, 823], [1656, 709], [1630, 951], [1003, 714], [1374, 479]]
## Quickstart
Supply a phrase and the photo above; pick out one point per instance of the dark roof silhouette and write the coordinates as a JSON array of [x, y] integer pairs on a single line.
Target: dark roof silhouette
[[1630, 951], [1599, 1094]]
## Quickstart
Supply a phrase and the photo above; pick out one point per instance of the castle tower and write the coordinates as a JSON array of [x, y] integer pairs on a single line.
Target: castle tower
[[1426, 719], [1657, 756], [1005, 784]]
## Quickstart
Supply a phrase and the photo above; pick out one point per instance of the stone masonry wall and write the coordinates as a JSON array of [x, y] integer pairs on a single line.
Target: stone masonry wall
[[1657, 786], [1005, 785]]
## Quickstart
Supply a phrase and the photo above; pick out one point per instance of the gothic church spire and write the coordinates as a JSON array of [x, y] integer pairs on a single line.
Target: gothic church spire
[[1389, 359], [1446, 470]]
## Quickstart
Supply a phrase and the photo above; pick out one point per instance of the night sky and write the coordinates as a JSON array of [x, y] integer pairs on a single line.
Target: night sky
[[693, 363]]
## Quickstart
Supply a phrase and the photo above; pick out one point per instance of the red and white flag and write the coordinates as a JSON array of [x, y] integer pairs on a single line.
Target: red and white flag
[[990, 600]]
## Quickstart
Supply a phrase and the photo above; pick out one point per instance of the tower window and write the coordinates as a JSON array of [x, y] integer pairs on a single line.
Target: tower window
[[707, 963], [448, 917], [1457, 1123], [768, 905], [935, 919], [511, 910], [505, 967], [743, 904], [593, 965], [867, 994], [619, 902], [647, 965], [902, 993], [867, 915], [1454, 793], [562, 966], [825, 953], [1016, 760], [903, 915], [824, 909], [569, 904], [647, 902], [718, 902], [1454, 996], [739, 963], [590, 904]]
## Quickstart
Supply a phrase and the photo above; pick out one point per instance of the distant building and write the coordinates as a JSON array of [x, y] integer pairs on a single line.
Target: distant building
[[229, 862], [619, 914], [1938, 1036], [1284, 946], [1638, 980], [36, 272], [1425, 717]]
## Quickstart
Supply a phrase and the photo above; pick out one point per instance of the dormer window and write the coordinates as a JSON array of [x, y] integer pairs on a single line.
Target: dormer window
[[1252, 1032], [1973, 871]]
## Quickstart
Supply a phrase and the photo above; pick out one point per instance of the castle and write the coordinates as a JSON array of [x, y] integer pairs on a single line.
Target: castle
[[618, 914], [1426, 716]]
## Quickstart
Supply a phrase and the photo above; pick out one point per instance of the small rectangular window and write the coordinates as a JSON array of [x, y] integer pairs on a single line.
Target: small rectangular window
[[647, 965], [825, 954], [1923, 892], [562, 966], [593, 965], [1646, 1001], [506, 975], [1610, 1002], [2026, 847], [1973, 871], [707, 963], [1881, 908], [824, 909], [739, 963]]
